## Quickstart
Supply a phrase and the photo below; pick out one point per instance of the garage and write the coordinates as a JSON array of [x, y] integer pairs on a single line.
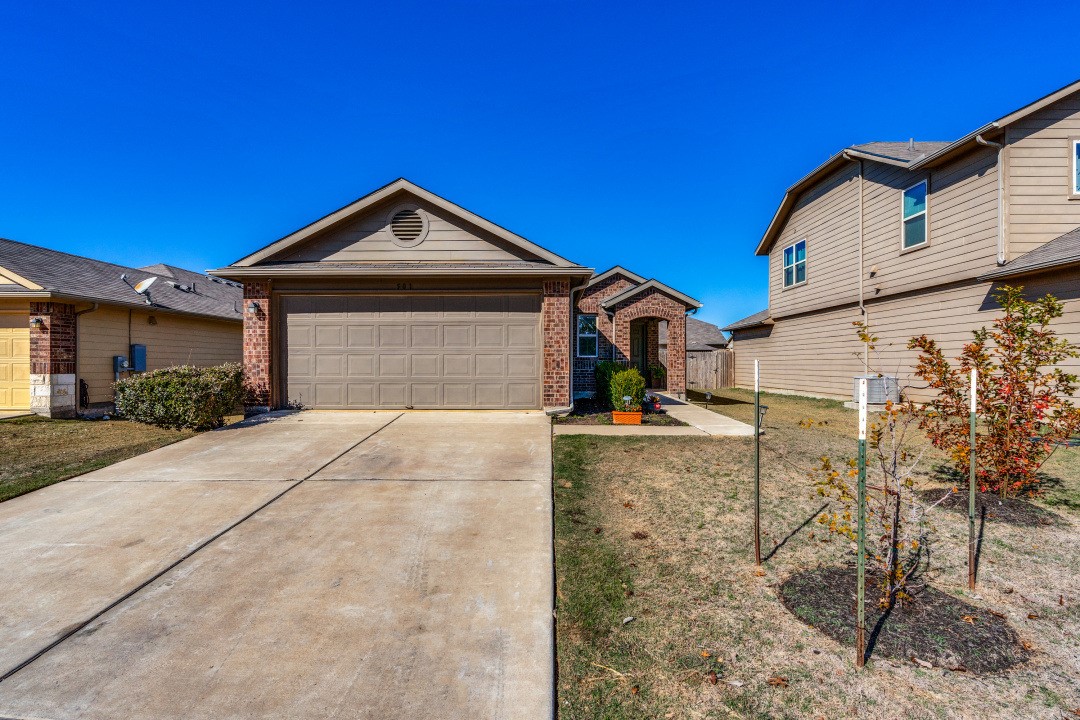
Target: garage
[[14, 361], [447, 351]]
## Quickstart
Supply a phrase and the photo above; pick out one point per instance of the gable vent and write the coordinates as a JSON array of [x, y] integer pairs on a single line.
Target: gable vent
[[407, 225]]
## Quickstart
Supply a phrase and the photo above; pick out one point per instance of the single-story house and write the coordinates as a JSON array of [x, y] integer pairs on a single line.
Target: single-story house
[[403, 299], [64, 319]]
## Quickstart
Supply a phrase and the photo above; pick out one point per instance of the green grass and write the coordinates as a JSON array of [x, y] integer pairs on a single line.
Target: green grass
[[38, 452]]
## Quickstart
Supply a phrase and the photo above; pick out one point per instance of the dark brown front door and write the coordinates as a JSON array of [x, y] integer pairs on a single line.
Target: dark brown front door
[[638, 353]]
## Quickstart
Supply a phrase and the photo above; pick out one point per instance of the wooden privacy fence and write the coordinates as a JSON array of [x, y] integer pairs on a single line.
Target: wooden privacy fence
[[710, 370]]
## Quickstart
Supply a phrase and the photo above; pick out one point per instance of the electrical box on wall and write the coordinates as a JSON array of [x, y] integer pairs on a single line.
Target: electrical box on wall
[[120, 364], [138, 358]]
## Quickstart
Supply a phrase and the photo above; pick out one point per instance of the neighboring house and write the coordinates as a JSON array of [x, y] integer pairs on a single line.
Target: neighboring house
[[915, 237], [63, 319], [701, 337], [403, 299]]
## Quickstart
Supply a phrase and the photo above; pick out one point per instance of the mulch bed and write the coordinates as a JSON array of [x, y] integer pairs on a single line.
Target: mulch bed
[[590, 412], [1011, 510], [933, 628]]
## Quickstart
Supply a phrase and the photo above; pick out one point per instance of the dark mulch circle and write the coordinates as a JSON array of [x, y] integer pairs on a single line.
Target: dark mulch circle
[[934, 627], [1011, 510]]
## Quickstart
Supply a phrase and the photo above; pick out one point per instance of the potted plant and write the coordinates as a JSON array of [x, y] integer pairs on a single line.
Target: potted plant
[[627, 395], [658, 375]]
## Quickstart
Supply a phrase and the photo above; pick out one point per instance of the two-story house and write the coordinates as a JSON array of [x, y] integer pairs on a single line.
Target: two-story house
[[915, 237]]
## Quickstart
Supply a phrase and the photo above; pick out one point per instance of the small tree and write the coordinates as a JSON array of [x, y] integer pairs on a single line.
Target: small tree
[[1023, 399], [627, 384], [897, 527]]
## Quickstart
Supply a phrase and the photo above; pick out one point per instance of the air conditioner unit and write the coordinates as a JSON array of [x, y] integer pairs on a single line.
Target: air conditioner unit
[[879, 389]]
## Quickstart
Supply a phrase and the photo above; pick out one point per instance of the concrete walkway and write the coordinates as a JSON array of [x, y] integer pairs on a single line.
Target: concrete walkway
[[707, 421], [316, 565], [628, 430]]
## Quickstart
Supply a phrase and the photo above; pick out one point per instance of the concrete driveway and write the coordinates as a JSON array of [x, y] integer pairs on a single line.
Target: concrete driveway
[[315, 565]]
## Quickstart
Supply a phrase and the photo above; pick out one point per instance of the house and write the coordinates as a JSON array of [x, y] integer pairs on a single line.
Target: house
[[701, 337], [912, 238], [403, 299], [64, 318]]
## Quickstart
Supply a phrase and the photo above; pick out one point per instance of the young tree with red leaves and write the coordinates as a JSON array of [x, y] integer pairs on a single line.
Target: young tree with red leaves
[[1024, 404]]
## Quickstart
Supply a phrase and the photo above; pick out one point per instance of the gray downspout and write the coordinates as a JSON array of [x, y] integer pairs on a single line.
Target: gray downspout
[[1001, 241], [573, 338], [90, 309]]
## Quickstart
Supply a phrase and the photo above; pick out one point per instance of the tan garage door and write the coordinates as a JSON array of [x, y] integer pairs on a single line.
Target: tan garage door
[[422, 351], [14, 362]]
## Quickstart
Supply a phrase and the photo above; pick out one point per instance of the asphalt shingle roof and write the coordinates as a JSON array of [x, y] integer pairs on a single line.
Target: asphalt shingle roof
[[903, 151], [96, 280], [1063, 250], [754, 320], [700, 335]]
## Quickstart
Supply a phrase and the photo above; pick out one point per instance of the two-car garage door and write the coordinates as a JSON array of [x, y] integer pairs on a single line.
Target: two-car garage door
[[413, 351]]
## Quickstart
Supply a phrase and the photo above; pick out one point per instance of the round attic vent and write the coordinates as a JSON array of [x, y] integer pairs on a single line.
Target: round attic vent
[[407, 226]]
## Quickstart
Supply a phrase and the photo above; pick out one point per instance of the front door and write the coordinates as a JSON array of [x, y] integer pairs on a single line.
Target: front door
[[638, 353]]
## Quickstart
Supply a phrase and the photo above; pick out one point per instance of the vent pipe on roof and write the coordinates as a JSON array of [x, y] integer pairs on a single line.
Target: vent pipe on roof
[[1001, 243], [911, 144]]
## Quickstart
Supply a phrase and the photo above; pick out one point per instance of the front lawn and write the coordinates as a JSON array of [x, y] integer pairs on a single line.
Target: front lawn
[[662, 614], [37, 451]]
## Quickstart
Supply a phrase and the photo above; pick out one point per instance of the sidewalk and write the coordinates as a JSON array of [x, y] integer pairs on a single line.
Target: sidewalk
[[699, 422]]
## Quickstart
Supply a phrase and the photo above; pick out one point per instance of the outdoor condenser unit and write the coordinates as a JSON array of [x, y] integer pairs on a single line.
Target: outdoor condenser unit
[[879, 389]]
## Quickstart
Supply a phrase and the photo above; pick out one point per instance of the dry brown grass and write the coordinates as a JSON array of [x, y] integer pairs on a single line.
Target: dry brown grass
[[692, 587]]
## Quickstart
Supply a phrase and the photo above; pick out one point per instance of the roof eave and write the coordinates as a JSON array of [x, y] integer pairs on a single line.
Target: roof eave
[[651, 284], [1007, 272], [232, 272]]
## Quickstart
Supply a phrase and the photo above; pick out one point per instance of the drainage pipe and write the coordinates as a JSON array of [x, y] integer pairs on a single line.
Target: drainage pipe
[[92, 308], [1001, 245]]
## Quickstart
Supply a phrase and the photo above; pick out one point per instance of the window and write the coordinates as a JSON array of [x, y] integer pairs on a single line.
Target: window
[[795, 264], [586, 335], [914, 208], [1075, 189]]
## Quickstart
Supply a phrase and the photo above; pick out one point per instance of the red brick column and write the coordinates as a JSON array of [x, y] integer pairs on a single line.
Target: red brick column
[[556, 331], [257, 344], [676, 355], [52, 359]]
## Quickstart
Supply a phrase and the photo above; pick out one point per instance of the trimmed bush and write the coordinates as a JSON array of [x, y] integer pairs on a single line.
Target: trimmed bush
[[604, 370], [182, 397], [627, 383]]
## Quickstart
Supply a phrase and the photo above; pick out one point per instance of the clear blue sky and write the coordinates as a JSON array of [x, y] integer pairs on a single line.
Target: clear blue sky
[[657, 136]]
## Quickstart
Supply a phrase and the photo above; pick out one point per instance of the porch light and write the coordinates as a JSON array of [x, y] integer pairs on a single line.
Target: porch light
[[253, 307], [36, 322], [762, 409]]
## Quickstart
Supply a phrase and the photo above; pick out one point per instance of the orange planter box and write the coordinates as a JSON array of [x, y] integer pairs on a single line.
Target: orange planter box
[[625, 418]]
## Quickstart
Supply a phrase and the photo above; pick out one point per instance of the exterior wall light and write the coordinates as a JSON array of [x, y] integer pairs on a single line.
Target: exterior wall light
[[36, 322], [253, 307]]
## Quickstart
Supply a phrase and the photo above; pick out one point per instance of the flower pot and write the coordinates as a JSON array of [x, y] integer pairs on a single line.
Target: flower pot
[[625, 418]]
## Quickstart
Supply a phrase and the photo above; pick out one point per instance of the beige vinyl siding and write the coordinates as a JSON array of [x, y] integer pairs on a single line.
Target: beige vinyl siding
[[174, 340], [962, 209], [819, 353], [368, 239], [826, 216], [1038, 176]]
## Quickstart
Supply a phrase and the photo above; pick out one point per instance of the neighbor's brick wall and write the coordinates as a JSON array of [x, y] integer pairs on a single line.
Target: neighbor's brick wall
[[52, 346], [655, 304], [588, 303], [556, 324], [257, 344]]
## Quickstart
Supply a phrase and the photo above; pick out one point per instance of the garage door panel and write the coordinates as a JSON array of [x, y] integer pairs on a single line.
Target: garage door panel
[[395, 351]]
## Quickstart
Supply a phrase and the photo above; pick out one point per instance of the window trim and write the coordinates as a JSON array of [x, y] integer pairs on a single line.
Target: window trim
[[1074, 193], [925, 213], [794, 264], [578, 335]]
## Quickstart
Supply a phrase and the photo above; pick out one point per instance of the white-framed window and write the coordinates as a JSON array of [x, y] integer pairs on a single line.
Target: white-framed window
[[795, 264], [1074, 153], [913, 208], [586, 336]]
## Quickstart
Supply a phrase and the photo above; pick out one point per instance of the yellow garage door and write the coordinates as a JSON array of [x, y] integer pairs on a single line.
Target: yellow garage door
[[14, 362]]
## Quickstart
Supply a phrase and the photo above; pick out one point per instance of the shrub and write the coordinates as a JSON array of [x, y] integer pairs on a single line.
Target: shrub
[[604, 370], [627, 383], [182, 397], [1023, 400]]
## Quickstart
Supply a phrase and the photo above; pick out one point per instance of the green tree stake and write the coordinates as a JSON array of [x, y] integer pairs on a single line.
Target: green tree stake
[[971, 483], [757, 463], [860, 622]]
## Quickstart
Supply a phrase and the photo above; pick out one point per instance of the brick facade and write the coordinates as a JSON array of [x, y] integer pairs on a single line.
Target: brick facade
[[257, 344], [655, 304], [556, 337], [52, 359], [588, 303]]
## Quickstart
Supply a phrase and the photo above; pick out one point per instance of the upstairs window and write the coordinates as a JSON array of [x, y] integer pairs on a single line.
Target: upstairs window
[[586, 336], [914, 208], [1075, 167], [795, 264]]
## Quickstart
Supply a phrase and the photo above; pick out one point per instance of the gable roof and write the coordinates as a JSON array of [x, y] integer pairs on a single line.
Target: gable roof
[[617, 270], [700, 335], [923, 154], [261, 257], [1060, 252], [756, 320], [649, 285], [35, 272]]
